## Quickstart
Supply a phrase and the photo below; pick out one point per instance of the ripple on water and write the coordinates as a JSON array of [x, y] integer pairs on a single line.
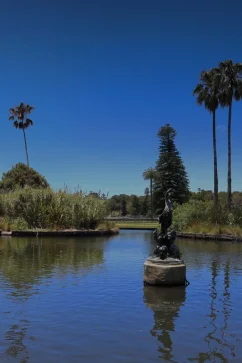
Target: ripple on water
[[83, 300]]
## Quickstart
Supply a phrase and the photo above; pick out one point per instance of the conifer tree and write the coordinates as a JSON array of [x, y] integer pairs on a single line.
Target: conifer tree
[[171, 172]]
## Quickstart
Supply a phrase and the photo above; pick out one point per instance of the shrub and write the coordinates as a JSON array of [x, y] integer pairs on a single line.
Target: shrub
[[43, 208], [200, 215], [21, 176]]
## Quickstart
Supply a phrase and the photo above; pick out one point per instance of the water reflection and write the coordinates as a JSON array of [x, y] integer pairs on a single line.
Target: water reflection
[[23, 261], [217, 337], [165, 304], [15, 337]]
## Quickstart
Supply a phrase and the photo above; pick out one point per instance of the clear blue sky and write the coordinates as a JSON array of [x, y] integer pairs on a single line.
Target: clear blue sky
[[104, 76]]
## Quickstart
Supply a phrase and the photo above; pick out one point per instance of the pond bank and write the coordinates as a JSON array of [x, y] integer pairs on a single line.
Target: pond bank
[[189, 235], [62, 233]]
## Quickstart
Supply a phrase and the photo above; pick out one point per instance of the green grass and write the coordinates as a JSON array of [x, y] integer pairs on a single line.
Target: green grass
[[138, 224], [196, 228]]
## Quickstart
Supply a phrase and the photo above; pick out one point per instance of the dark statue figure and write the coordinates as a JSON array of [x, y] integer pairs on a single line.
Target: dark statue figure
[[166, 247], [165, 218]]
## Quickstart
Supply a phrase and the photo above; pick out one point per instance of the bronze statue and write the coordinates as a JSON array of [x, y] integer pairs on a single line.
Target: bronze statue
[[165, 241], [165, 218]]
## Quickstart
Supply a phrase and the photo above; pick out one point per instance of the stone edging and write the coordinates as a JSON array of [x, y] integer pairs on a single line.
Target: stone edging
[[62, 233]]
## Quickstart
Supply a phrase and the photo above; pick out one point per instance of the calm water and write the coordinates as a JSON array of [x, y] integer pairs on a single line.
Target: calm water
[[83, 300]]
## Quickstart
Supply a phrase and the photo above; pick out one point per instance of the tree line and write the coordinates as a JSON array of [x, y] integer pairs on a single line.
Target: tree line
[[219, 87]]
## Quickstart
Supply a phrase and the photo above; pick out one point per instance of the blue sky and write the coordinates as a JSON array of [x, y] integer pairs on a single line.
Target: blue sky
[[104, 76]]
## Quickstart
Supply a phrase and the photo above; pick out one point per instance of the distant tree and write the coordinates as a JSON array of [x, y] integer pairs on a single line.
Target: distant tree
[[123, 208], [231, 89], [147, 192], [94, 195], [21, 176], [144, 205], [20, 120], [115, 202], [208, 94], [170, 170], [150, 174], [134, 205]]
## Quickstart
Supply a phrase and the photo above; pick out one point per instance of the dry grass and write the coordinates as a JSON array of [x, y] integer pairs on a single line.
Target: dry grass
[[215, 229]]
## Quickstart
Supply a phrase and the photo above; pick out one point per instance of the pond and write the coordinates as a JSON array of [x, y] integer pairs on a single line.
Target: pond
[[83, 300]]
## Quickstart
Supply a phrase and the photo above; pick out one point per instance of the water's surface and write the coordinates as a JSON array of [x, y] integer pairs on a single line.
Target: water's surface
[[83, 300]]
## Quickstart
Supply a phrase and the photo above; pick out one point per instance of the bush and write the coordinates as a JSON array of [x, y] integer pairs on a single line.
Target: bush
[[43, 208], [198, 214], [21, 176]]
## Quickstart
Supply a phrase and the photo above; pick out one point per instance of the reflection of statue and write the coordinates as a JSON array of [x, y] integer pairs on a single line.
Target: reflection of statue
[[166, 241], [165, 304]]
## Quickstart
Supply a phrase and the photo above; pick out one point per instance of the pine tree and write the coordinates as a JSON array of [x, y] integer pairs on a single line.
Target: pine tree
[[171, 172]]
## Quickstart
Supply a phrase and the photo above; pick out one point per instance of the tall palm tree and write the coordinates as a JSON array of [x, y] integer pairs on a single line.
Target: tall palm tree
[[207, 92], [149, 174], [20, 120], [231, 89]]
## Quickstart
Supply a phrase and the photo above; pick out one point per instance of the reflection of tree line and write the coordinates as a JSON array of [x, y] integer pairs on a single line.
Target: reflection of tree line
[[23, 261], [166, 304]]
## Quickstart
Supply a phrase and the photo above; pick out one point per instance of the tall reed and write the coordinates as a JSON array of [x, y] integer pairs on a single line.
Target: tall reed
[[44, 208]]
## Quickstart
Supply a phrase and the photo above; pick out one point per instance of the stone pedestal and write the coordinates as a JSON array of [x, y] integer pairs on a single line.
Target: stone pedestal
[[170, 272]]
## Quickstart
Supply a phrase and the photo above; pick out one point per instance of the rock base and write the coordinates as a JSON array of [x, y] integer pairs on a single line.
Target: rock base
[[169, 272]]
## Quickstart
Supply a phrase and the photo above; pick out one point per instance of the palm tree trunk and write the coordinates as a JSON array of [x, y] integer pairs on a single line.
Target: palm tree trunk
[[151, 197], [215, 166], [26, 149], [229, 158]]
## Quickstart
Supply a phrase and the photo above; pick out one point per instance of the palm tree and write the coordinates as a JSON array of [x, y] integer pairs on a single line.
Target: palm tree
[[19, 114], [207, 92], [231, 89], [149, 174]]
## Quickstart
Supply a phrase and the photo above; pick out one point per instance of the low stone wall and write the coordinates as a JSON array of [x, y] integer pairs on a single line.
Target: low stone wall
[[62, 233]]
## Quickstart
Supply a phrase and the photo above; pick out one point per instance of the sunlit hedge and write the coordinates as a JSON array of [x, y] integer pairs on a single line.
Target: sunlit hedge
[[196, 213], [44, 208]]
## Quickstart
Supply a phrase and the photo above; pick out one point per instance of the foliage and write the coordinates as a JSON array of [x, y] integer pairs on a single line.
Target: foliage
[[133, 206], [123, 208], [144, 209], [171, 172], [202, 213], [20, 120], [208, 94], [42, 208], [21, 176], [231, 89], [150, 175]]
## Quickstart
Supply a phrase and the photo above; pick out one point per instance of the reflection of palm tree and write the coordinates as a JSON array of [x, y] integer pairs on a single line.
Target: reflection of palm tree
[[226, 305], [213, 354], [165, 303]]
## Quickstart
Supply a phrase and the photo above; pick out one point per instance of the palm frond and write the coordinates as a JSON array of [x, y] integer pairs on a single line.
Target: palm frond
[[16, 124], [28, 122]]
